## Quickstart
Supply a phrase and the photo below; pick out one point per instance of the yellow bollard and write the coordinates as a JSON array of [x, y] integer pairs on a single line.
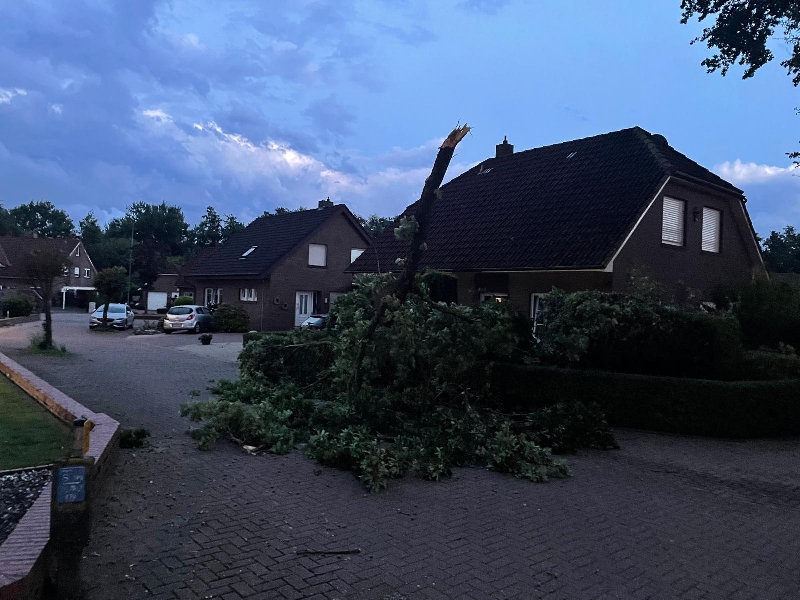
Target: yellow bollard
[[87, 427]]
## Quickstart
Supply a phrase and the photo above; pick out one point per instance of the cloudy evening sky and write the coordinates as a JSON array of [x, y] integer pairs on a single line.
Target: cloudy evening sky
[[246, 105]]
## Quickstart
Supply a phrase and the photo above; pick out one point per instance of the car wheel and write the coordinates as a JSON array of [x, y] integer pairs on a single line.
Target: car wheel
[[168, 331], [197, 328]]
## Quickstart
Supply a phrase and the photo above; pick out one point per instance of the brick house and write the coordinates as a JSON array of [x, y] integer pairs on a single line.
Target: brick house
[[74, 289], [595, 213], [280, 268]]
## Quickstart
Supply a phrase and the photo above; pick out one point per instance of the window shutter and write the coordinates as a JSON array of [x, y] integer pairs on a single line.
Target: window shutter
[[672, 224], [711, 223]]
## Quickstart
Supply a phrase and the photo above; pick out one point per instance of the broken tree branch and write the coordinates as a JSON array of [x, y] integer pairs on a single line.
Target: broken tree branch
[[405, 281]]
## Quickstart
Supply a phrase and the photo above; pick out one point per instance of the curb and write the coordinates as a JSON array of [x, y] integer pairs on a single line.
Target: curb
[[23, 553]]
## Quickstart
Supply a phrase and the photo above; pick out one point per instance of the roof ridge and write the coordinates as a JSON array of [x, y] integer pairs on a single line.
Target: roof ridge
[[646, 137]]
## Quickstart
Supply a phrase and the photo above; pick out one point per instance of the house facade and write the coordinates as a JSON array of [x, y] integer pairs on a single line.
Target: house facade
[[74, 289], [603, 213], [282, 268]]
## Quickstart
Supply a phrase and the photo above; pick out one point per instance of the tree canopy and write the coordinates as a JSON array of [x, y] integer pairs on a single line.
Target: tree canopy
[[43, 219], [743, 30], [782, 251]]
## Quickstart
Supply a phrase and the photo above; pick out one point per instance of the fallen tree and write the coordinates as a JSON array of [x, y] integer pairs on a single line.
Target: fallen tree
[[398, 382]]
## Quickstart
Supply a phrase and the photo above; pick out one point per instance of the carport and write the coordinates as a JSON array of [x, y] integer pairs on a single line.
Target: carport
[[74, 290]]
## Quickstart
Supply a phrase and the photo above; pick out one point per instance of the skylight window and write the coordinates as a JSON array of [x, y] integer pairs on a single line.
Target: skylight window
[[571, 155], [248, 252]]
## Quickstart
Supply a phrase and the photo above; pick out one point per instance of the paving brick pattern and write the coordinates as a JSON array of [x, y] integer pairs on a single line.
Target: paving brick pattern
[[665, 517]]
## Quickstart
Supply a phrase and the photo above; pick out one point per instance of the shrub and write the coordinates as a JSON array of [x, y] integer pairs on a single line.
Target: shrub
[[18, 305], [231, 319], [183, 301], [769, 313], [769, 365], [738, 409], [630, 334], [133, 438]]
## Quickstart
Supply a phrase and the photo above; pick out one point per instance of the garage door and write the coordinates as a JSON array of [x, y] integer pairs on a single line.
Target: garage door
[[156, 300]]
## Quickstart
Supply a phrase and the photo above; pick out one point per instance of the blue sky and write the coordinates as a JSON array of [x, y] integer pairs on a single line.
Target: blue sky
[[246, 105]]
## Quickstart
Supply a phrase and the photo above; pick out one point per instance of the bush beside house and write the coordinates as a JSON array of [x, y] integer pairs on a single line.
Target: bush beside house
[[17, 305], [231, 319]]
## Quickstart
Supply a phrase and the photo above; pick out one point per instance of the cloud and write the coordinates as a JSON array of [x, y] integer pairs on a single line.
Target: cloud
[[6, 95], [740, 173], [330, 116], [489, 7]]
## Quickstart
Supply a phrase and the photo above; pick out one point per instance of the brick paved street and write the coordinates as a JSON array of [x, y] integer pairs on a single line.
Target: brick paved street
[[664, 517]]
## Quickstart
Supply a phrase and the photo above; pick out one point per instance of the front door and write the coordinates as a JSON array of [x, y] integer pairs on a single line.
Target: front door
[[302, 307]]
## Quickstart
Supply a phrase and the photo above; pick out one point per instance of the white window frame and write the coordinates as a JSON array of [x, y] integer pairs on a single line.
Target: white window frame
[[673, 234], [537, 313], [248, 252], [496, 296], [314, 257], [66, 271], [248, 294], [711, 240], [76, 271], [214, 297], [78, 250], [87, 273], [355, 253]]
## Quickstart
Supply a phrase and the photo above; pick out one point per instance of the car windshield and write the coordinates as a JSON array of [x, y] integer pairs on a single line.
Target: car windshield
[[180, 310], [113, 309]]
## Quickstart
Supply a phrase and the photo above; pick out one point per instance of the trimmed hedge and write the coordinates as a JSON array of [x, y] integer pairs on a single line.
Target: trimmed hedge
[[736, 409]]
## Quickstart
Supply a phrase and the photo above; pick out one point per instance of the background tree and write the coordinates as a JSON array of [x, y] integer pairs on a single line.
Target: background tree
[[43, 218], [209, 231], [375, 225], [742, 31], [7, 224], [90, 230], [112, 284], [230, 226], [782, 251], [44, 267]]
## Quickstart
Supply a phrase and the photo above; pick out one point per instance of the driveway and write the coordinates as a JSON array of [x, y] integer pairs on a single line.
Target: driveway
[[665, 517]]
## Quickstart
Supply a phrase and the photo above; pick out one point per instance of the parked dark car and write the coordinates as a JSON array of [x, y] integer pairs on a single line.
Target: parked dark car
[[187, 318], [315, 322]]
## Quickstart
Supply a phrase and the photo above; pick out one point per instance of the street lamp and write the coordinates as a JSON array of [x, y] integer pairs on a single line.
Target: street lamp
[[130, 265]]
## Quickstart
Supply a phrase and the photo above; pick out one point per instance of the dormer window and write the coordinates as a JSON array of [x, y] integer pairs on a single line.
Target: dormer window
[[248, 252]]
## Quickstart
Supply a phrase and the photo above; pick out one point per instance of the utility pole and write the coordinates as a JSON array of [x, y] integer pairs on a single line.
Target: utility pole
[[130, 265]]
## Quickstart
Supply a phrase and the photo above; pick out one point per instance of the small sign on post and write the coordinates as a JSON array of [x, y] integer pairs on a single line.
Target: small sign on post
[[71, 485], [70, 515]]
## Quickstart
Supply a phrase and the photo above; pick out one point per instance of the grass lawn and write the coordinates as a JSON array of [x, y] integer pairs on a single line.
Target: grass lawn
[[29, 434]]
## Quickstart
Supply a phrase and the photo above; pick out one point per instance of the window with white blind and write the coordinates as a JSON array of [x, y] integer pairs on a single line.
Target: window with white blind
[[248, 295], [317, 255], [711, 227], [672, 223], [355, 253]]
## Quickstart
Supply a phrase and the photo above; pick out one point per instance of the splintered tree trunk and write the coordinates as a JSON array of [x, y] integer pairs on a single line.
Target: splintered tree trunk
[[404, 283]]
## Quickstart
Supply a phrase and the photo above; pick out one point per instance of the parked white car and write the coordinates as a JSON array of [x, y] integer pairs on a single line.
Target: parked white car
[[119, 316]]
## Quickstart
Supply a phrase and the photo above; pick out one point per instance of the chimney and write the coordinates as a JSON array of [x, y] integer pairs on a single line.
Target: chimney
[[504, 149], [325, 203]]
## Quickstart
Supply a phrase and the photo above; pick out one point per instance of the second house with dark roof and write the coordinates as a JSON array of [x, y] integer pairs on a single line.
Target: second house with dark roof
[[281, 268], [596, 213]]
